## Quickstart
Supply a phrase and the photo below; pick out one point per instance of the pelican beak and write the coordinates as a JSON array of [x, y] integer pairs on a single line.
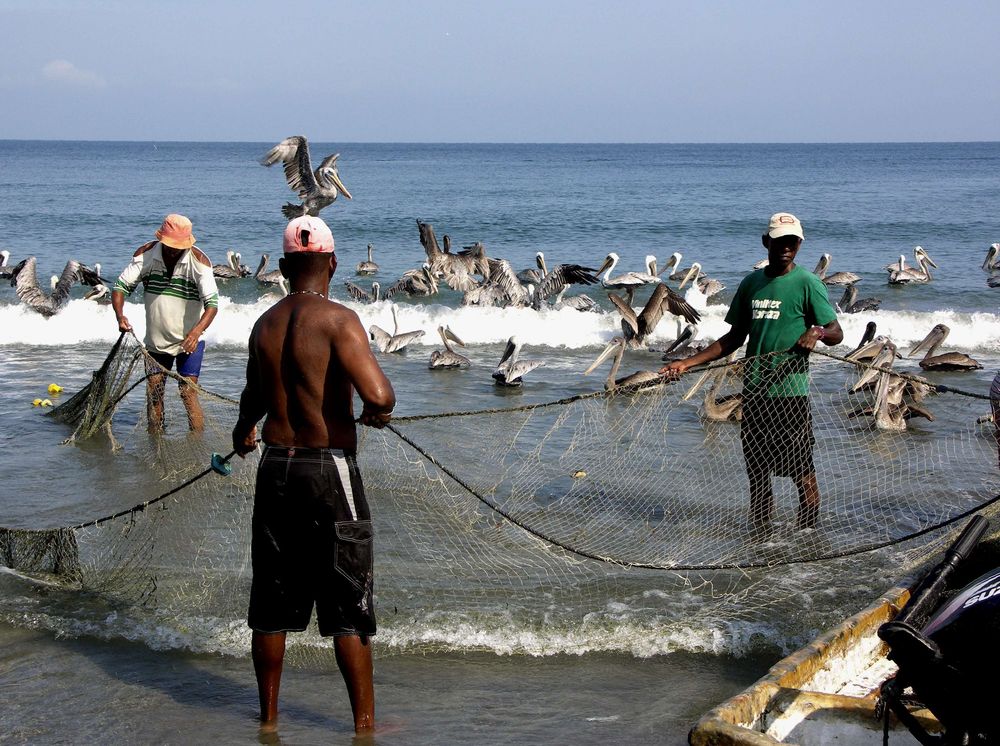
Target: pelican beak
[[340, 185], [453, 337], [685, 335], [925, 344], [605, 265], [692, 272], [930, 261], [612, 347], [698, 384], [884, 359]]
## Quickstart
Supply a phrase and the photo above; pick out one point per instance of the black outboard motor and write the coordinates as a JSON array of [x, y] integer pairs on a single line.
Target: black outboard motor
[[950, 657]]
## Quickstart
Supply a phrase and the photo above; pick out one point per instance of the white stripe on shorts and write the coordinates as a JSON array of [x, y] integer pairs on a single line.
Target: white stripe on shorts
[[345, 481]]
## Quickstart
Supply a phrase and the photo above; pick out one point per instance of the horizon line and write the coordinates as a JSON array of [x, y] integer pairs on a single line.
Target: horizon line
[[518, 142]]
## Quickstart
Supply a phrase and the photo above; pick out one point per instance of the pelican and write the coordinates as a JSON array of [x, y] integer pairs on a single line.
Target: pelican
[[448, 358], [581, 302], [946, 360], [663, 299], [228, 271], [396, 341], [715, 408], [628, 281], [555, 281], [907, 276], [866, 337], [849, 303], [243, 269], [880, 361], [533, 274], [837, 278], [991, 262], [456, 269], [702, 288], [5, 268], [510, 370], [617, 346], [316, 189], [762, 263], [263, 276], [502, 288], [24, 279], [99, 294], [367, 267], [686, 343], [414, 282], [360, 295], [675, 261], [918, 251]]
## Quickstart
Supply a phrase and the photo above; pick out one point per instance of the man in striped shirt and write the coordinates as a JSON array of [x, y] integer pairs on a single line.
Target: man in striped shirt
[[181, 300]]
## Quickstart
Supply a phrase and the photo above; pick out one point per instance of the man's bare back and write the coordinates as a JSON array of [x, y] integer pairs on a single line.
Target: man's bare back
[[307, 357]]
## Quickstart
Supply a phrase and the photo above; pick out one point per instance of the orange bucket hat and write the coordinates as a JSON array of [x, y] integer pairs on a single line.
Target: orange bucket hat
[[176, 232]]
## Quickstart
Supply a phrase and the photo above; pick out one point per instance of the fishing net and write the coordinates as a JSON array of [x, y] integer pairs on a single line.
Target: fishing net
[[540, 528]]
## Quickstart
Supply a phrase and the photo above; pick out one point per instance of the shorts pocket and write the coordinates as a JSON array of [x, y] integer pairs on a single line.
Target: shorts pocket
[[353, 554]]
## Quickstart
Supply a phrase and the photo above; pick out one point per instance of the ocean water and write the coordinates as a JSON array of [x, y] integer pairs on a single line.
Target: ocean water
[[863, 204]]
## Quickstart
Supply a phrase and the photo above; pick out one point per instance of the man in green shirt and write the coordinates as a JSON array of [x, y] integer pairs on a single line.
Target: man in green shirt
[[784, 310]]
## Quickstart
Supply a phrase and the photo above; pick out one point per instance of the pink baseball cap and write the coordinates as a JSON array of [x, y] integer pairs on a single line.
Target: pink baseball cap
[[308, 233]]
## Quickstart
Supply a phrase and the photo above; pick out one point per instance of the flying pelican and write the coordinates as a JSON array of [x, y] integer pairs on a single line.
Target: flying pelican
[[228, 271], [263, 276], [918, 251], [628, 281], [617, 346], [510, 370], [663, 299], [907, 275], [24, 279], [849, 303], [448, 358], [368, 267], [316, 189], [992, 261], [456, 269], [396, 341], [360, 295], [837, 278], [502, 288], [946, 360]]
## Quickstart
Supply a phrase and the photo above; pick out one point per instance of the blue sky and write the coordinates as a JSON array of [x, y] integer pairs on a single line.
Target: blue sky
[[556, 71]]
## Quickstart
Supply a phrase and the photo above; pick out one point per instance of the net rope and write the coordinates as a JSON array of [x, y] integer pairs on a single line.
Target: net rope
[[553, 516]]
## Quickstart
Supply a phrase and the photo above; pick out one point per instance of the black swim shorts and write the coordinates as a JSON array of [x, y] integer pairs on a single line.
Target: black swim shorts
[[777, 436], [312, 543]]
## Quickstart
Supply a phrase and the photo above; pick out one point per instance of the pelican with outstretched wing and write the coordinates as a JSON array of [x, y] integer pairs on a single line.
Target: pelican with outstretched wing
[[24, 279], [317, 189], [511, 368], [397, 341]]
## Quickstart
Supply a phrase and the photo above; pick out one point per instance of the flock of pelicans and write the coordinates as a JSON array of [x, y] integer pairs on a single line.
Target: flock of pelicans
[[491, 281]]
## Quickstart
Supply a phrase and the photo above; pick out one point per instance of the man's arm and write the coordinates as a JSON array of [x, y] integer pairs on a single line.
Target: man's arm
[[252, 406], [127, 281], [725, 345], [208, 289], [831, 334], [190, 341], [362, 369]]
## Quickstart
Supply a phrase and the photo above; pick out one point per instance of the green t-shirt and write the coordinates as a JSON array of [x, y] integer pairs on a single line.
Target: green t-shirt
[[776, 311]]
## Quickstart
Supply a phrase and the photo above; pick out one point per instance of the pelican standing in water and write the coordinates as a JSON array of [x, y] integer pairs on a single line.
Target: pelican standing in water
[[263, 276], [918, 251], [617, 347], [317, 189], [946, 360], [368, 267], [24, 278], [991, 263], [511, 368], [397, 341], [448, 358], [702, 288], [663, 300], [849, 303], [230, 270]]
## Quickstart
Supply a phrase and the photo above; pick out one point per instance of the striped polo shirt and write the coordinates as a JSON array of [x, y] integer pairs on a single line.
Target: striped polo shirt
[[174, 302]]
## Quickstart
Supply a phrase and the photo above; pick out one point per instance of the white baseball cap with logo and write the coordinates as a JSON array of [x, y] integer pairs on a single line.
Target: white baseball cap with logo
[[784, 224]]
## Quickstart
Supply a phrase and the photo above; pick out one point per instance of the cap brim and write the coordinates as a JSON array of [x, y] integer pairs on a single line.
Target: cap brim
[[785, 231], [175, 244]]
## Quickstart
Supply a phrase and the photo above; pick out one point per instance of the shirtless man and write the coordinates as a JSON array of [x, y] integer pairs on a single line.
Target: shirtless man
[[312, 532]]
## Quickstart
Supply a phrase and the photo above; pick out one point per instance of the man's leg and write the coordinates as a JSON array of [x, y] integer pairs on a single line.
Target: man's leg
[[761, 500], [808, 500], [189, 395], [268, 650], [155, 385], [354, 657]]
